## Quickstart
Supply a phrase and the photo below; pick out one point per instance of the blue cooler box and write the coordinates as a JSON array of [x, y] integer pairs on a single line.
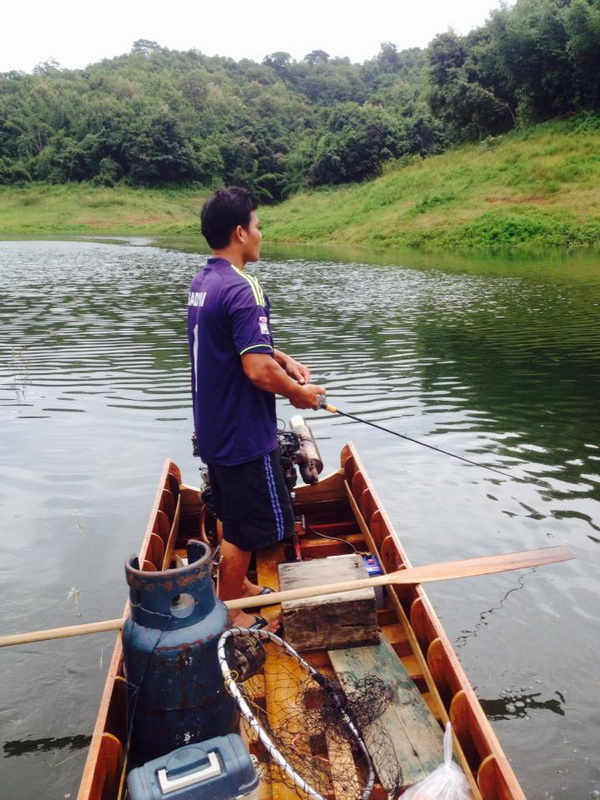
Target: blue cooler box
[[217, 769]]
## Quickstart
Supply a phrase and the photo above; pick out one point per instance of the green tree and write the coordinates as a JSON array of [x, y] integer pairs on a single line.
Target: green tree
[[144, 47], [47, 67], [316, 57], [279, 61], [155, 152], [530, 41], [467, 91], [356, 141], [582, 25]]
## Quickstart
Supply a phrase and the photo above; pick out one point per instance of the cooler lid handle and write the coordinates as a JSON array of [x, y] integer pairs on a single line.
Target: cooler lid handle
[[168, 785]]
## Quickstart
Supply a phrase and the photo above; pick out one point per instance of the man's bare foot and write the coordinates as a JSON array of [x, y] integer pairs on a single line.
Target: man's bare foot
[[243, 620]]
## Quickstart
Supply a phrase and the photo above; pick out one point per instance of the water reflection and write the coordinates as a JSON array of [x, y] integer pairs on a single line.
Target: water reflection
[[20, 747], [484, 616], [520, 704]]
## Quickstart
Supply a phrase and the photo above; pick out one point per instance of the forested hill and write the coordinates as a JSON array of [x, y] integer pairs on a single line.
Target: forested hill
[[157, 117]]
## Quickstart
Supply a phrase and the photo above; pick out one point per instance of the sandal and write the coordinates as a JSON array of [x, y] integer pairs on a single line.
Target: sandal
[[260, 622]]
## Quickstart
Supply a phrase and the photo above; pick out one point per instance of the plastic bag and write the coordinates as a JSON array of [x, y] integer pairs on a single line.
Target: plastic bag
[[447, 782]]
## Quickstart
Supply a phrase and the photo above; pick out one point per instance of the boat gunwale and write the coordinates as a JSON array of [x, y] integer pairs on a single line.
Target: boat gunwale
[[500, 766], [115, 668]]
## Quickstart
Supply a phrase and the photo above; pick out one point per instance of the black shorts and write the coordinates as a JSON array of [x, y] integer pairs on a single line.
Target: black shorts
[[253, 502]]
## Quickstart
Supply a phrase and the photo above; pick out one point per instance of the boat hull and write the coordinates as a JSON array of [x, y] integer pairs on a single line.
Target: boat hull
[[341, 508]]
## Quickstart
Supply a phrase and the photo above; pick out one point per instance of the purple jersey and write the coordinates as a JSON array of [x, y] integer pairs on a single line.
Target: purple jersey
[[228, 316]]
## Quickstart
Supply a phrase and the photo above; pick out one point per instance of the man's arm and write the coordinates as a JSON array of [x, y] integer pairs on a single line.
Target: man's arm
[[268, 374], [297, 371]]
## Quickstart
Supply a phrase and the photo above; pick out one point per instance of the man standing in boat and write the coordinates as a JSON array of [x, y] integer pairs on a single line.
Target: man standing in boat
[[236, 373]]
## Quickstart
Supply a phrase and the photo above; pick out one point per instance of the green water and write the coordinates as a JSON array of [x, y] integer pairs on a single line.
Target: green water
[[495, 359]]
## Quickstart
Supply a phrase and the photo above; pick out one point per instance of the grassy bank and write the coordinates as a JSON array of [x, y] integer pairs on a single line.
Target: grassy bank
[[80, 209], [535, 188], [540, 187]]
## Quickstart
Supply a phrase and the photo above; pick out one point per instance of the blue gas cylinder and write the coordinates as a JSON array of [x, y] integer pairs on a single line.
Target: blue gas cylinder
[[176, 693]]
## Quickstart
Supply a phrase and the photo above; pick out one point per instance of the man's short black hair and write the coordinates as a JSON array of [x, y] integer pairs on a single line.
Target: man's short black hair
[[223, 212]]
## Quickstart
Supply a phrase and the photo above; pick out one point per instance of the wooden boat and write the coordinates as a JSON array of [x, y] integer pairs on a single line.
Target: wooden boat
[[342, 505]]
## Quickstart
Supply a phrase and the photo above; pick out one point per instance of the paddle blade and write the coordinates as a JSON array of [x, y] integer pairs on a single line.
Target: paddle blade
[[482, 565]]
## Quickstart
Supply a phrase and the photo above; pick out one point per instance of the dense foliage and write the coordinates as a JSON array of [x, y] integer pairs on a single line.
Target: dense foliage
[[530, 63], [156, 117]]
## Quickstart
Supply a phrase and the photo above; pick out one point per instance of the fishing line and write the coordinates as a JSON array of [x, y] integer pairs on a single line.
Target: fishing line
[[333, 410]]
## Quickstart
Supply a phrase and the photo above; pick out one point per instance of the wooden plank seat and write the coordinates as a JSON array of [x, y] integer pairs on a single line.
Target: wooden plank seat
[[333, 620], [412, 731]]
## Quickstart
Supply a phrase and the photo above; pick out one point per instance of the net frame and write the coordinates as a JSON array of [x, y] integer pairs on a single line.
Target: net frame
[[230, 676]]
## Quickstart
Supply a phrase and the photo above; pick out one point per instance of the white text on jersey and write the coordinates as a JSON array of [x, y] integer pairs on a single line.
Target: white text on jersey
[[196, 298]]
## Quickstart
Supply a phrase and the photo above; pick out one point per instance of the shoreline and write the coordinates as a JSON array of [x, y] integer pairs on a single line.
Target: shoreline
[[533, 189]]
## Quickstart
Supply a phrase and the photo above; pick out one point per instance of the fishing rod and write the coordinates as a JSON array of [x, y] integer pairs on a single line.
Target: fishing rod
[[333, 410]]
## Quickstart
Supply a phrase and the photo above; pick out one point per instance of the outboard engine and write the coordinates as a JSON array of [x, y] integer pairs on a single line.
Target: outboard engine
[[308, 457], [288, 454]]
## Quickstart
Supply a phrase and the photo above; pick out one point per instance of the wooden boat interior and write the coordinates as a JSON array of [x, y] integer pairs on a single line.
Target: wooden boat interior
[[339, 514]]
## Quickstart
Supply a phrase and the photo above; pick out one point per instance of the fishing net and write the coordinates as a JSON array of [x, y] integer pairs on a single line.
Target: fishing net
[[307, 734]]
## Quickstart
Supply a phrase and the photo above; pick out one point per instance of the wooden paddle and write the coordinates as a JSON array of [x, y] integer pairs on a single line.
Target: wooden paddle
[[482, 565]]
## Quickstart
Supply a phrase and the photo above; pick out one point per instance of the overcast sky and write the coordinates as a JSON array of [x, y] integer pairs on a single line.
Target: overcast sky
[[77, 33]]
